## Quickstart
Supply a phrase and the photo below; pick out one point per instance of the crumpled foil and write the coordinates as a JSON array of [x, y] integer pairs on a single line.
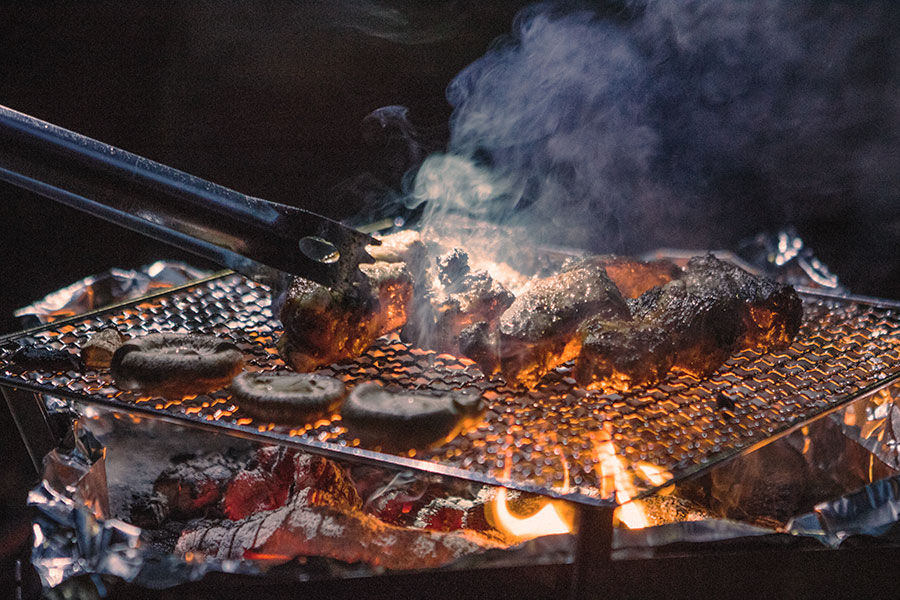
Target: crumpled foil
[[785, 257], [109, 287], [75, 536], [873, 511], [874, 423]]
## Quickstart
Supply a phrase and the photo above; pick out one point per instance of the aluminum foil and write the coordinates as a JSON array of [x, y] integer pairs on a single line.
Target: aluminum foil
[[75, 536], [873, 511], [784, 256], [109, 287], [874, 423]]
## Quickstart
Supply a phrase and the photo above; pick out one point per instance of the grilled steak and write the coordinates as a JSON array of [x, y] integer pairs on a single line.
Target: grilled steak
[[539, 331], [452, 299], [323, 326], [634, 277], [691, 324]]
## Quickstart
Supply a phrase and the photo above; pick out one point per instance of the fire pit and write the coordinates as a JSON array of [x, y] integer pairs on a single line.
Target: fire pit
[[596, 450]]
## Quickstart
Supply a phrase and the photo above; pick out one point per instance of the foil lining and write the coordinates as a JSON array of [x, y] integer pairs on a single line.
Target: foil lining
[[872, 511], [104, 289], [74, 535], [874, 423]]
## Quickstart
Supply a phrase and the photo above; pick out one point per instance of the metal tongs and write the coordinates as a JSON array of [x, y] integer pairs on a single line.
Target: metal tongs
[[261, 239]]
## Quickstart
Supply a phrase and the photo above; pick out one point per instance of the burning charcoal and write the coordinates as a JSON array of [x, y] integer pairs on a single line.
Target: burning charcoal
[[442, 515], [398, 501], [323, 326], [98, 351], [195, 484], [150, 511], [299, 529], [538, 331], [454, 514], [279, 471]]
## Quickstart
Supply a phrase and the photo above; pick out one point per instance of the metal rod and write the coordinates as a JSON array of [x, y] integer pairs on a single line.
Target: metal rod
[[593, 574], [30, 416], [247, 234]]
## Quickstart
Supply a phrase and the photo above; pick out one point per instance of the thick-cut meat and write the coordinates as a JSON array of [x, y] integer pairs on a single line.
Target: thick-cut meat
[[634, 277], [323, 326], [538, 332], [617, 354], [457, 298], [402, 247], [468, 297], [691, 324], [303, 529]]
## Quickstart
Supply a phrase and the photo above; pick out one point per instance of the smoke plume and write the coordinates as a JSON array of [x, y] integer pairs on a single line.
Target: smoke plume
[[677, 122]]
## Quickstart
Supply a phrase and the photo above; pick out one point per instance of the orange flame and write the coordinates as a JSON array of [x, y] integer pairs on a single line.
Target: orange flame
[[615, 482], [552, 518]]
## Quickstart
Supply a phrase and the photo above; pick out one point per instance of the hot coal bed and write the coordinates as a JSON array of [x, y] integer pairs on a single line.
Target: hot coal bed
[[827, 402]]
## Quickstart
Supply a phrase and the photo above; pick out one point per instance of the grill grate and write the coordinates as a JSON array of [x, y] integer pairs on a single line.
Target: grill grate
[[558, 440]]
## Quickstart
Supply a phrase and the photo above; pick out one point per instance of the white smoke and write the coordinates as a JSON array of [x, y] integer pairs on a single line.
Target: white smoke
[[683, 122]]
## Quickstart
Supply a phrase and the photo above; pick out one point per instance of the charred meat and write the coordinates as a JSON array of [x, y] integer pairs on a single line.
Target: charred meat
[[634, 277], [691, 324], [323, 326], [538, 332], [462, 299]]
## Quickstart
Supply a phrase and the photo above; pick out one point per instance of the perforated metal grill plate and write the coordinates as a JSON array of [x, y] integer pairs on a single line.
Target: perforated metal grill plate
[[558, 440]]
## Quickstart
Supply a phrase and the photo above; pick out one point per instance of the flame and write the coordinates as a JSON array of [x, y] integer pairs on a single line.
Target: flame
[[552, 518], [616, 482], [556, 517]]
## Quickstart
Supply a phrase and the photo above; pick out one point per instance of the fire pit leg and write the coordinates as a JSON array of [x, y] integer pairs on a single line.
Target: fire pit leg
[[593, 552], [29, 415]]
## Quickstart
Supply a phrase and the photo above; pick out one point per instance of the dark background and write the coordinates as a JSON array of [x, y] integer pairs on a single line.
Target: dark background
[[268, 98]]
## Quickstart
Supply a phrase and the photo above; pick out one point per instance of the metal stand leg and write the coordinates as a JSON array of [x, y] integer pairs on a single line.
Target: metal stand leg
[[592, 577], [30, 417]]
